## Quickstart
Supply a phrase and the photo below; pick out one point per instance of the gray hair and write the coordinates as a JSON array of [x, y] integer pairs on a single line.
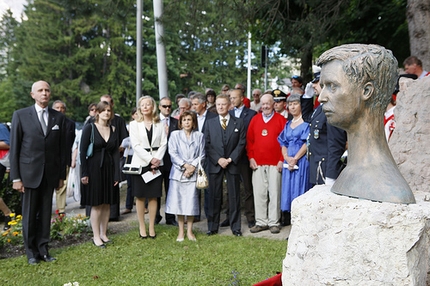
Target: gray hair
[[59, 101], [293, 98], [185, 100], [201, 97]]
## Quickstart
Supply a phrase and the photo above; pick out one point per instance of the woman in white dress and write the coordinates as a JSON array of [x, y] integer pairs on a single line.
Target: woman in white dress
[[186, 148]]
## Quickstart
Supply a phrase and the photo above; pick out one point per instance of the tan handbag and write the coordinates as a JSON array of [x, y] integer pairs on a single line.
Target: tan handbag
[[202, 179]]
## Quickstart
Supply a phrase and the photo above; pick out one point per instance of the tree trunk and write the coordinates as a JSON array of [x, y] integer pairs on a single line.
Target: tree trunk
[[418, 17], [306, 64]]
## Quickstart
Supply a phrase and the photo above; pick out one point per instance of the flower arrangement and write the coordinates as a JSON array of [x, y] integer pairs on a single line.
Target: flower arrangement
[[61, 227], [14, 234]]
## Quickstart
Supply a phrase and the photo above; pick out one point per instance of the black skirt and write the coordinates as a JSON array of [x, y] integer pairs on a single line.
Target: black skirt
[[152, 189]]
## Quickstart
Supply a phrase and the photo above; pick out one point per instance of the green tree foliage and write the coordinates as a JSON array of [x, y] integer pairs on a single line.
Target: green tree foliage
[[375, 22], [82, 48], [210, 43], [86, 48], [305, 28], [8, 25]]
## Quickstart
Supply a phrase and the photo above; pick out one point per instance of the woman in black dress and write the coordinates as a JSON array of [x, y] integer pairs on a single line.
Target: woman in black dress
[[149, 142], [100, 172]]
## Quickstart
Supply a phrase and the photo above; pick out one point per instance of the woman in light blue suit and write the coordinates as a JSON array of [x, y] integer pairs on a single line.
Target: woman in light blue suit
[[186, 147]]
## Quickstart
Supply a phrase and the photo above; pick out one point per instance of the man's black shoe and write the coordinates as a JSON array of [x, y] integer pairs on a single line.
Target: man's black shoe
[[33, 261], [48, 258], [251, 224], [211, 232], [237, 233], [225, 223]]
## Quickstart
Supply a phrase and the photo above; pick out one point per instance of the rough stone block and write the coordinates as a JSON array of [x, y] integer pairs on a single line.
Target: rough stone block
[[337, 240]]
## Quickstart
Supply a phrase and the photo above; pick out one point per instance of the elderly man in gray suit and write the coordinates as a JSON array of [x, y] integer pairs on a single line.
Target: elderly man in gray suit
[[38, 166]]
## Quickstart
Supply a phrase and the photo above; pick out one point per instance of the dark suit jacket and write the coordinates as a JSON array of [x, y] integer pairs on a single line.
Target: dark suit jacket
[[70, 139], [167, 163], [327, 148], [216, 148], [246, 115], [33, 154], [307, 106], [209, 115]]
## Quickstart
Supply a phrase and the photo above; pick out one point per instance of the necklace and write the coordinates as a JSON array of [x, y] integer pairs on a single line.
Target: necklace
[[295, 120]]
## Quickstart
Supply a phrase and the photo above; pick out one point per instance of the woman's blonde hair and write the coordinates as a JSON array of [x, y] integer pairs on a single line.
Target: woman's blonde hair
[[155, 117]]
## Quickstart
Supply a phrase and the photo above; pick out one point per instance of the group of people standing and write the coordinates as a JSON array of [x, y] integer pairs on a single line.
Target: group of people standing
[[233, 142]]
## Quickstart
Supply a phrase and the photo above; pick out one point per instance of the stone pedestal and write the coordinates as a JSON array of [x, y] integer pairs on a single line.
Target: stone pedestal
[[336, 240]]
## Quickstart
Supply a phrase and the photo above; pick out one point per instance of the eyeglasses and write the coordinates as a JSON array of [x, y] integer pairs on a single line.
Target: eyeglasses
[[166, 106]]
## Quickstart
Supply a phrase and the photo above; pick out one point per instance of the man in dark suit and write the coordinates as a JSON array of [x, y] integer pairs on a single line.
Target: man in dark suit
[[225, 142], [199, 105], [326, 145], [38, 165], [170, 124], [246, 114], [60, 194]]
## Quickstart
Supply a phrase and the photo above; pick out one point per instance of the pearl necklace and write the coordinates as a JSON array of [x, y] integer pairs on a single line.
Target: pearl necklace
[[295, 120]]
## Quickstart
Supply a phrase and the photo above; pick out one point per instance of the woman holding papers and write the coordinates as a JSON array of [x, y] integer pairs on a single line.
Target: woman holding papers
[[186, 149], [149, 142]]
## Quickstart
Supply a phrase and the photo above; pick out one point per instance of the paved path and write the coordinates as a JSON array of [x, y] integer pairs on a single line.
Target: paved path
[[73, 208]]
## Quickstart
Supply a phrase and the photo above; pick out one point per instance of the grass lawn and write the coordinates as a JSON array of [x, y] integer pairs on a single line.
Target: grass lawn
[[212, 260]]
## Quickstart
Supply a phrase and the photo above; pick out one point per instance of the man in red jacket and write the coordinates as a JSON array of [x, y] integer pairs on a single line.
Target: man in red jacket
[[265, 159]]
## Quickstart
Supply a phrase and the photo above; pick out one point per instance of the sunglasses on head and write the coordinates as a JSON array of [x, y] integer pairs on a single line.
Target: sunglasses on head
[[166, 106], [295, 77]]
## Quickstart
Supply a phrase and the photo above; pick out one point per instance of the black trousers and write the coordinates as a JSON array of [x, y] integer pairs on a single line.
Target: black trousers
[[165, 172], [215, 200], [36, 219]]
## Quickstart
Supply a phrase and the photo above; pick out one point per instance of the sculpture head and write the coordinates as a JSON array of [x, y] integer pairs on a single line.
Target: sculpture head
[[356, 79], [357, 84]]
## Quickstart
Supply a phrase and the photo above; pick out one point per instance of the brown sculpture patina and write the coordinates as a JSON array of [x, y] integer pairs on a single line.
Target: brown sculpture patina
[[357, 84]]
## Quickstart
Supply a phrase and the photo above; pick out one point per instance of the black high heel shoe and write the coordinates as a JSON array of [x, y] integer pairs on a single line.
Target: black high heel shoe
[[153, 237], [107, 241], [101, 246], [143, 237]]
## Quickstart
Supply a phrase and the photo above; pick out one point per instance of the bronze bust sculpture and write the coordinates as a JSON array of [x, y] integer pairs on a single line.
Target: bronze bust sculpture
[[357, 83]]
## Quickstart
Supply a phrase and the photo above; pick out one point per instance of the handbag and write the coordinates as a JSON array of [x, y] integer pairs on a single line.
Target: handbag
[[90, 148], [202, 181], [129, 169]]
